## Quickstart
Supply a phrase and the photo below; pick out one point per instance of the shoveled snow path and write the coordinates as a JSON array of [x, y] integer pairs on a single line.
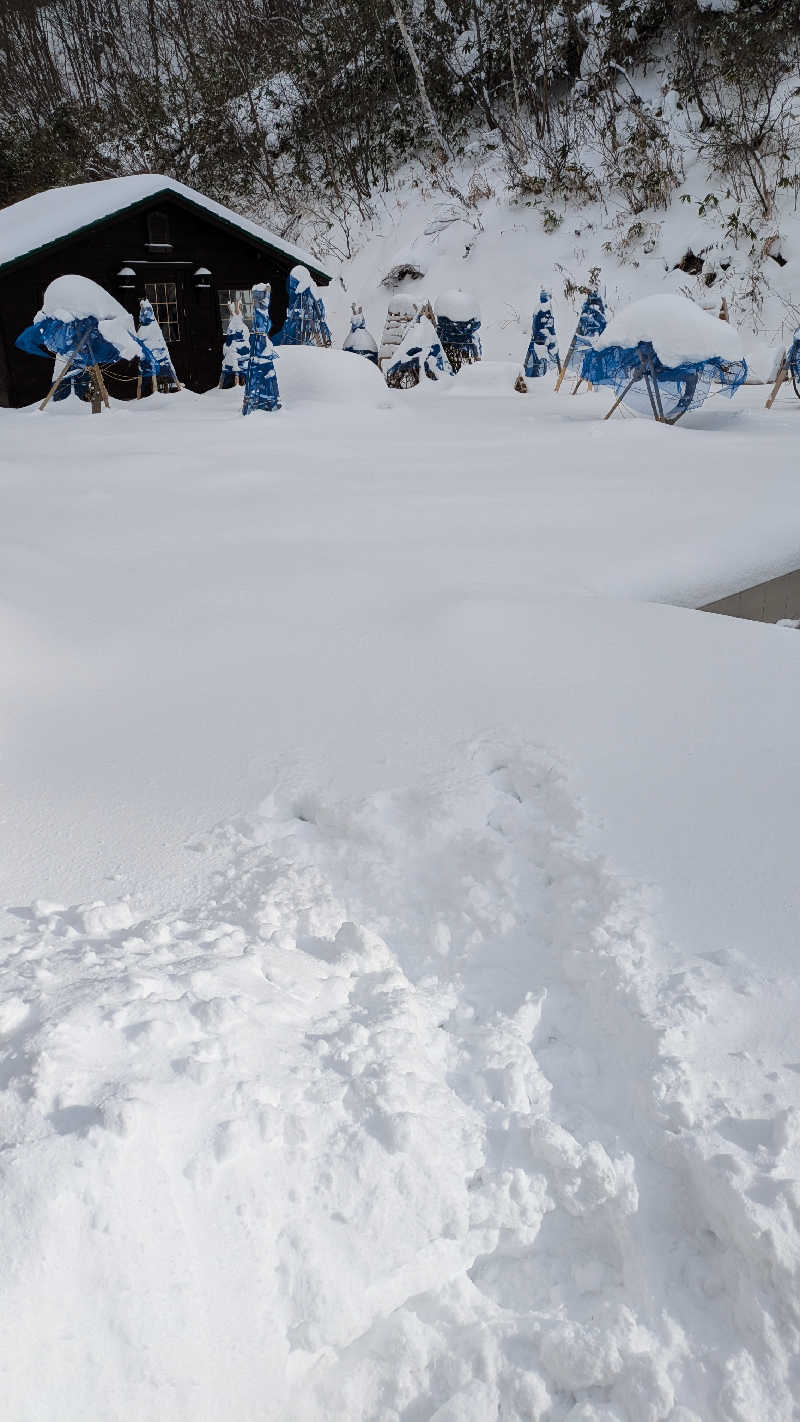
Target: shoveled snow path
[[415, 1080]]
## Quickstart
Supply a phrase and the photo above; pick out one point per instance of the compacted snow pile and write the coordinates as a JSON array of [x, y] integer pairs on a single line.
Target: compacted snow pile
[[399, 994]]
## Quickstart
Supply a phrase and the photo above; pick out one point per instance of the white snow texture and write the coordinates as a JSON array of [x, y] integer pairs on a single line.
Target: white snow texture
[[401, 1123]]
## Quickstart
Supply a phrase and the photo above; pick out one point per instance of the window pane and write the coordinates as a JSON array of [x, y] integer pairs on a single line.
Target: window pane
[[164, 298], [157, 230], [243, 296]]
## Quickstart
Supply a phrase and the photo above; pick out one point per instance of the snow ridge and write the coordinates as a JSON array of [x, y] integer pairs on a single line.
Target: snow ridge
[[411, 1078]]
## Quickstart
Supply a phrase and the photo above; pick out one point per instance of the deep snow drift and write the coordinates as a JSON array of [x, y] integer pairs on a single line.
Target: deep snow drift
[[345, 1070]]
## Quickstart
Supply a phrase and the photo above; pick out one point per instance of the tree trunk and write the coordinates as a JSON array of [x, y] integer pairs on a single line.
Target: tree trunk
[[427, 107]]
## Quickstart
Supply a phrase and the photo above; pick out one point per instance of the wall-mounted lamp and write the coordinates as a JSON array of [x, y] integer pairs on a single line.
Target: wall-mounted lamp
[[126, 279], [202, 279]]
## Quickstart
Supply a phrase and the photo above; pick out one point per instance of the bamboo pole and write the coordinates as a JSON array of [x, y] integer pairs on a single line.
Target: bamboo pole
[[637, 375], [783, 374], [565, 366], [56, 383], [654, 392], [102, 385]]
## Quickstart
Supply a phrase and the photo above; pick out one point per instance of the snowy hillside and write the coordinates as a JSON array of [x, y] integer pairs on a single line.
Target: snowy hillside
[[501, 249], [399, 994]]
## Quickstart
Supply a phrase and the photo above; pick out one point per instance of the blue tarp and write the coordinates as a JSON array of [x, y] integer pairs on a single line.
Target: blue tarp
[[591, 322], [461, 335], [50, 337], [261, 383], [305, 323], [542, 352], [79, 339], [364, 345], [672, 389], [416, 358]]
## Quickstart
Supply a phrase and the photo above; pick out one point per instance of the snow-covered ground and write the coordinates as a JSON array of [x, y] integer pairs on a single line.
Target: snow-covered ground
[[400, 983]]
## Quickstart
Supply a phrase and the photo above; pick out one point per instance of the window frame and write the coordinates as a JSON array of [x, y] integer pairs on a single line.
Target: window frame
[[166, 321]]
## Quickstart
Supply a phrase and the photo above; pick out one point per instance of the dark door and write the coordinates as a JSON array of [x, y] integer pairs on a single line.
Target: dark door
[[166, 290]]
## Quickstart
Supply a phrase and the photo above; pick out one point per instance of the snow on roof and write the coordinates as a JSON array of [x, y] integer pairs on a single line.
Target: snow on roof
[[678, 329], [37, 221]]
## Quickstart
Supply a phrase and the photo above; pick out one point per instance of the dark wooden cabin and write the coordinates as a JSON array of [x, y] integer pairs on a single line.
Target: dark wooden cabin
[[139, 236]]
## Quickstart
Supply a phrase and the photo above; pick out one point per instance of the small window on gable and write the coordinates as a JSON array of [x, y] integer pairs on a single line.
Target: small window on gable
[[158, 230]]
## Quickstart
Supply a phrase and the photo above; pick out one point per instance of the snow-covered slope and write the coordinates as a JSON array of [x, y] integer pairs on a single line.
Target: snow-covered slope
[[501, 248], [347, 1070]]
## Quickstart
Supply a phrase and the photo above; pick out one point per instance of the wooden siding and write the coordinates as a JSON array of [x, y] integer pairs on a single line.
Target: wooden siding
[[764, 602]]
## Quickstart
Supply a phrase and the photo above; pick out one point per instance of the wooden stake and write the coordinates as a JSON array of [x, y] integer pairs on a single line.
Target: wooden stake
[[783, 374], [56, 384], [637, 375], [653, 391], [565, 366], [102, 385]]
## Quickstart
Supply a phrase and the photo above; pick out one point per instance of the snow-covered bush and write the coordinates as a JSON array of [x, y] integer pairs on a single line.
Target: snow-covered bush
[[261, 383], [155, 364], [542, 353], [458, 321], [235, 349], [402, 310], [358, 339], [305, 323], [419, 354], [82, 327]]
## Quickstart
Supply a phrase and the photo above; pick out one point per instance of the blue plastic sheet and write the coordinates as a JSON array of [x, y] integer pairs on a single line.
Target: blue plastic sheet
[[591, 322], [542, 353], [418, 359], [235, 351], [79, 338], [78, 341], [664, 391], [461, 337], [306, 323], [357, 344], [261, 383]]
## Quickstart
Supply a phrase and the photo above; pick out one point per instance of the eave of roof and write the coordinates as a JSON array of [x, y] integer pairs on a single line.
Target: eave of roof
[[168, 191]]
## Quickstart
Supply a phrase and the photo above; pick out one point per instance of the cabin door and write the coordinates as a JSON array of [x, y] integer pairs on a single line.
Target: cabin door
[[166, 291]]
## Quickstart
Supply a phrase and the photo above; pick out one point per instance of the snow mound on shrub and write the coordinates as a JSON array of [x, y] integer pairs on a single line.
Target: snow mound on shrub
[[487, 377], [458, 305], [680, 331], [69, 297], [311, 374]]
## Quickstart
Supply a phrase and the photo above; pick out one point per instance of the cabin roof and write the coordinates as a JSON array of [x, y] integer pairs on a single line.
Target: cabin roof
[[48, 218]]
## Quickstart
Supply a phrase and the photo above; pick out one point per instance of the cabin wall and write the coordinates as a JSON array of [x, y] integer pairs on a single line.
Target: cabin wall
[[234, 262]]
